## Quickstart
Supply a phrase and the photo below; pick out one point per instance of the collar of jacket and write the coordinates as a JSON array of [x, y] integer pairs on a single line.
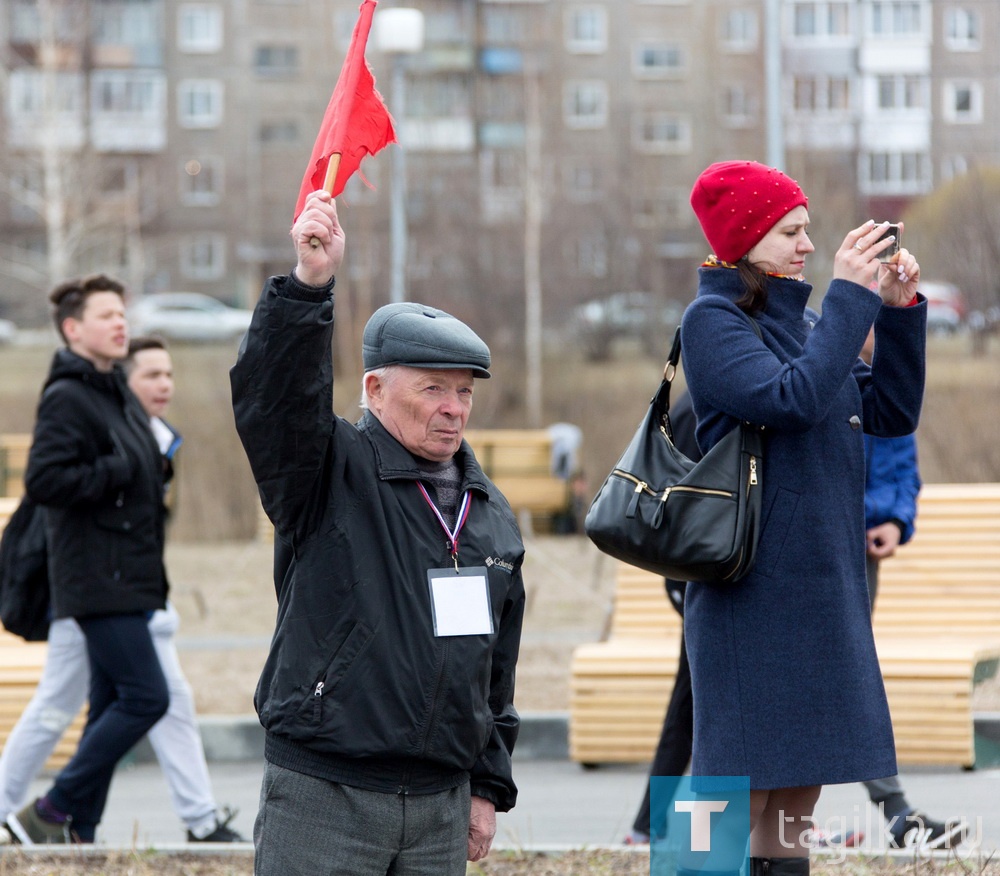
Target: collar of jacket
[[787, 298], [67, 364], [395, 462]]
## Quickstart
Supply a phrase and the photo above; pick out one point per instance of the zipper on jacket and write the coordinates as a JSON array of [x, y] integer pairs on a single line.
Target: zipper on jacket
[[317, 698], [753, 470]]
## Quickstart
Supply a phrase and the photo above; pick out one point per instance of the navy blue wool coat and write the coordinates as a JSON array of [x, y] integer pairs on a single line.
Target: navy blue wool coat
[[787, 687]]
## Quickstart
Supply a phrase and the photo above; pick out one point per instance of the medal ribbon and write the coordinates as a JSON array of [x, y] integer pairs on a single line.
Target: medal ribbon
[[463, 515]]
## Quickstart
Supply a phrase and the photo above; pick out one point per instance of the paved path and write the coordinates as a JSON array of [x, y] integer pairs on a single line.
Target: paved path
[[560, 803]]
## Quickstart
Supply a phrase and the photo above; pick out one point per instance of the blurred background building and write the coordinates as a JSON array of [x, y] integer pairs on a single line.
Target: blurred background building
[[165, 140]]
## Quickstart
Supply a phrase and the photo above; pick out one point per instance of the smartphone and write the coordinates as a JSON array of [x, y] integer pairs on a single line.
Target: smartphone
[[890, 231]]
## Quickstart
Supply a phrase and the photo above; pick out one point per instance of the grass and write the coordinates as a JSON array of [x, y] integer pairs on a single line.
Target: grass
[[597, 862]]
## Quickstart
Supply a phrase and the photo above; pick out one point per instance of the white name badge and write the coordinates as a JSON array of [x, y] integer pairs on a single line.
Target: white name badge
[[460, 601]]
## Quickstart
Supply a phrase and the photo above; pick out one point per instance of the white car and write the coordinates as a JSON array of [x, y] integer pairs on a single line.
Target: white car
[[7, 331], [187, 316]]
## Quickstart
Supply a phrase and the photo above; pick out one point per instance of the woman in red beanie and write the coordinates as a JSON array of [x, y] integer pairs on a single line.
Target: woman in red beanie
[[786, 682]]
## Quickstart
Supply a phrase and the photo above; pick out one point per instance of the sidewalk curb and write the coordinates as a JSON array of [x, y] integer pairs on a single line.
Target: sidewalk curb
[[543, 736]]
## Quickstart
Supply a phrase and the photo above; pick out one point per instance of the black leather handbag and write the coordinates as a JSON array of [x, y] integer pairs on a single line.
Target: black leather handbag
[[687, 521]]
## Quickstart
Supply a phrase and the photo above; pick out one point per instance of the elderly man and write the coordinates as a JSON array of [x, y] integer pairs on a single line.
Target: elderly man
[[387, 694]]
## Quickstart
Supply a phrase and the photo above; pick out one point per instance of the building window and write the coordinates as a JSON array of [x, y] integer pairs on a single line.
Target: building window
[[201, 182], [27, 198], [739, 106], [279, 132], [199, 28], [954, 166], [590, 255], [125, 24], [962, 29], [896, 173], [27, 92], [963, 102], [504, 25], [660, 132], [821, 94], [902, 92], [446, 96], [276, 60], [125, 91], [897, 18], [203, 256], [586, 29], [585, 104], [582, 180], [739, 30], [661, 208], [658, 60], [200, 103], [821, 18]]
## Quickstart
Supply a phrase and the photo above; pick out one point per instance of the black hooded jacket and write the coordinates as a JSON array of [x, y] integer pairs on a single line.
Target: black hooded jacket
[[357, 688], [95, 467]]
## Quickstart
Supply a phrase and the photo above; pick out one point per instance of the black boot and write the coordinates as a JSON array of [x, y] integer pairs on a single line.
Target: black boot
[[779, 867]]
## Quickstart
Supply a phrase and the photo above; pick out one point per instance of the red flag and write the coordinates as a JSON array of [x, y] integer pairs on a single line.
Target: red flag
[[356, 122]]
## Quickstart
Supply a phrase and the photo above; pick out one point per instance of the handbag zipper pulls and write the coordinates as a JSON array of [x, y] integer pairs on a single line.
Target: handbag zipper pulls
[[658, 514], [753, 470], [633, 505]]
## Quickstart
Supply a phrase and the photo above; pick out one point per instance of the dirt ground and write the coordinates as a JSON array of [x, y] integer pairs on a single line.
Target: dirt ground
[[227, 604]]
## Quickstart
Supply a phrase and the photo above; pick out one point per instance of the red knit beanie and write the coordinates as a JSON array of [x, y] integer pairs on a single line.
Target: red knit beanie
[[738, 202]]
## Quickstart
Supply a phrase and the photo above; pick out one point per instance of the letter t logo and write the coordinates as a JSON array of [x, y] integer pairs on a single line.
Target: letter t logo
[[701, 820]]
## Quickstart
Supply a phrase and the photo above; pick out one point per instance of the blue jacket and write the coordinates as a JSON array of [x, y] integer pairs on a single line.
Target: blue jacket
[[892, 482], [787, 687]]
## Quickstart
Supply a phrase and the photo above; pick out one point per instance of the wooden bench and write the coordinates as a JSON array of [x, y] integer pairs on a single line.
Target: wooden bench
[[519, 462], [21, 665], [937, 628], [13, 461]]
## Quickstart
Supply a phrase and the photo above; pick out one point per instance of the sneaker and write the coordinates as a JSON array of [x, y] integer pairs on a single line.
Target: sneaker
[[636, 838], [916, 830], [28, 828], [222, 833], [849, 839]]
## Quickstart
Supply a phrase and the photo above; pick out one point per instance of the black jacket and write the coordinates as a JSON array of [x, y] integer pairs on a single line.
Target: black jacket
[[356, 688], [95, 466]]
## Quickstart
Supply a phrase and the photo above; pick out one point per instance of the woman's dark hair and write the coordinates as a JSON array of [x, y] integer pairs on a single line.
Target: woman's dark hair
[[69, 298], [754, 280]]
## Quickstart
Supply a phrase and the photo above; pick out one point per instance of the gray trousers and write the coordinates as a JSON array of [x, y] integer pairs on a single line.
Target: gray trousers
[[312, 827]]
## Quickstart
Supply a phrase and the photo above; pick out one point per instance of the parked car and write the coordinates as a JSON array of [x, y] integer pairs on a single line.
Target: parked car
[[639, 315], [945, 306], [7, 331], [187, 316]]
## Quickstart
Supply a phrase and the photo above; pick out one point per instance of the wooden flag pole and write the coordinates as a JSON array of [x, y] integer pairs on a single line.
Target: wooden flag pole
[[331, 177]]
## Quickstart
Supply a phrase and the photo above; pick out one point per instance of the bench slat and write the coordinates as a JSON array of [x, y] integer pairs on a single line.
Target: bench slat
[[937, 628]]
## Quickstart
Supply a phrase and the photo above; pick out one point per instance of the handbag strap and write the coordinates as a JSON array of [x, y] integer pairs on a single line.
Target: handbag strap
[[661, 401]]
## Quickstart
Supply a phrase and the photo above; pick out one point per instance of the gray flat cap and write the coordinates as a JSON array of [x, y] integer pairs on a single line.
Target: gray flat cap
[[418, 336]]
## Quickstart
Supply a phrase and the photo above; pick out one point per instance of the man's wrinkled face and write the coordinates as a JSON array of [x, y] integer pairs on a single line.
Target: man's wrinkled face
[[425, 411]]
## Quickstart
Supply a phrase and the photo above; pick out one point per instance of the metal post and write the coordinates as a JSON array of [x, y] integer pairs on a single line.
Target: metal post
[[772, 79], [397, 226]]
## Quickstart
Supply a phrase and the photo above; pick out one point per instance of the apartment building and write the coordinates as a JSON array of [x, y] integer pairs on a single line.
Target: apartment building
[[184, 127]]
